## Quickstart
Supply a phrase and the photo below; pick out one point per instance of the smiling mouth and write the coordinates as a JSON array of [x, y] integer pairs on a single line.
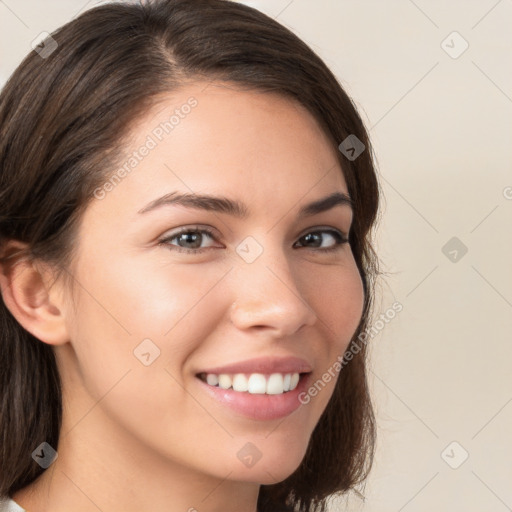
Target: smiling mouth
[[254, 383]]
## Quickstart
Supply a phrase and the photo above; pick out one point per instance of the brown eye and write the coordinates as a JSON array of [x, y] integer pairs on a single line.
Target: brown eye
[[317, 237]]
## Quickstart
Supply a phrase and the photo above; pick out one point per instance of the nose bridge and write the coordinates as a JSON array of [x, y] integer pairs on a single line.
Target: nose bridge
[[266, 291]]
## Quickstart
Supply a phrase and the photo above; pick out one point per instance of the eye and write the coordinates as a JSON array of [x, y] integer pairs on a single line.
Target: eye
[[319, 236], [190, 236]]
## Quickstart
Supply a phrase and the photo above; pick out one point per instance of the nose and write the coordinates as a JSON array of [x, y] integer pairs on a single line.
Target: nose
[[269, 297]]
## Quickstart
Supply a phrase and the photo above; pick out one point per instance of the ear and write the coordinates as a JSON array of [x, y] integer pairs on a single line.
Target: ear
[[27, 293]]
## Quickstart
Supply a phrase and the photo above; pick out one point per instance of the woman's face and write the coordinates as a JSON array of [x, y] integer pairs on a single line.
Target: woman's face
[[150, 314]]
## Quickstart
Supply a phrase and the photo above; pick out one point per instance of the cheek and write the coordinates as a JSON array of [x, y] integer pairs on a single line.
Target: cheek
[[163, 321], [162, 309], [338, 300], [141, 299]]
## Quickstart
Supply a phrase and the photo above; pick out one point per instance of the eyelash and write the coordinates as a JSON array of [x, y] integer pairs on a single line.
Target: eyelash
[[340, 237]]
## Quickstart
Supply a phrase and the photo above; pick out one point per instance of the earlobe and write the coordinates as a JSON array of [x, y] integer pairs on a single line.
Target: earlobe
[[27, 293]]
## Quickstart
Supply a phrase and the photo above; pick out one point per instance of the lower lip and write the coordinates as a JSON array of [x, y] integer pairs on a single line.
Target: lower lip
[[261, 407]]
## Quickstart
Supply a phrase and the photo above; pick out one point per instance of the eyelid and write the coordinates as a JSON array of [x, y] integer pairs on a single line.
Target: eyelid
[[313, 229], [169, 235]]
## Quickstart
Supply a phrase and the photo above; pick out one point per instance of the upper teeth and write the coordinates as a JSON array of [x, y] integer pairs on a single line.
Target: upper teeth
[[273, 384]]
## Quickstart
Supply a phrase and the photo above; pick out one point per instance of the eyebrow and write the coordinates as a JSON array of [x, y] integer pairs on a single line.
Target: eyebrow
[[238, 209]]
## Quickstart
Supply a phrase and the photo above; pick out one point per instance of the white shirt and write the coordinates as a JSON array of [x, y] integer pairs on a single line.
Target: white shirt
[[8, 505]]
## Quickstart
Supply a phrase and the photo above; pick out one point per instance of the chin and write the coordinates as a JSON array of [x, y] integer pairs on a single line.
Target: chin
[[271, 471]]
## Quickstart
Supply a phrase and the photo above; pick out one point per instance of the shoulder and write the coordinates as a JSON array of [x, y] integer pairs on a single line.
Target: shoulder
[[8, 505]]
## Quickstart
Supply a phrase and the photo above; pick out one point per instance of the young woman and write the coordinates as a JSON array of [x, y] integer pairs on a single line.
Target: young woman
[[187, 197]]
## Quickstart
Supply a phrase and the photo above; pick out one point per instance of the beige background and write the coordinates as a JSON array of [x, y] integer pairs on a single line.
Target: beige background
[[442, 131]]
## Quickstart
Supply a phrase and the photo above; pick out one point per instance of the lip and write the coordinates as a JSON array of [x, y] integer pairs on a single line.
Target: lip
[[265, 365], [261, 407]]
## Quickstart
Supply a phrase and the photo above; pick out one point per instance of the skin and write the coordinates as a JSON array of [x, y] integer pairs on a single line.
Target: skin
[[138, 437]]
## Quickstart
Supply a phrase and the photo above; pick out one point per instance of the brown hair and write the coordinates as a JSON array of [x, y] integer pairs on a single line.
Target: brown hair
[[63, 119]]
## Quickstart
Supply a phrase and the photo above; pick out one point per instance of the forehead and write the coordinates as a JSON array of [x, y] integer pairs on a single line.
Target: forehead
[[218, 137]]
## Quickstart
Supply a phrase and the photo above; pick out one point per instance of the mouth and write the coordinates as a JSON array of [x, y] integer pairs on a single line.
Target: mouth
[[254, 383], [255, 396]]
